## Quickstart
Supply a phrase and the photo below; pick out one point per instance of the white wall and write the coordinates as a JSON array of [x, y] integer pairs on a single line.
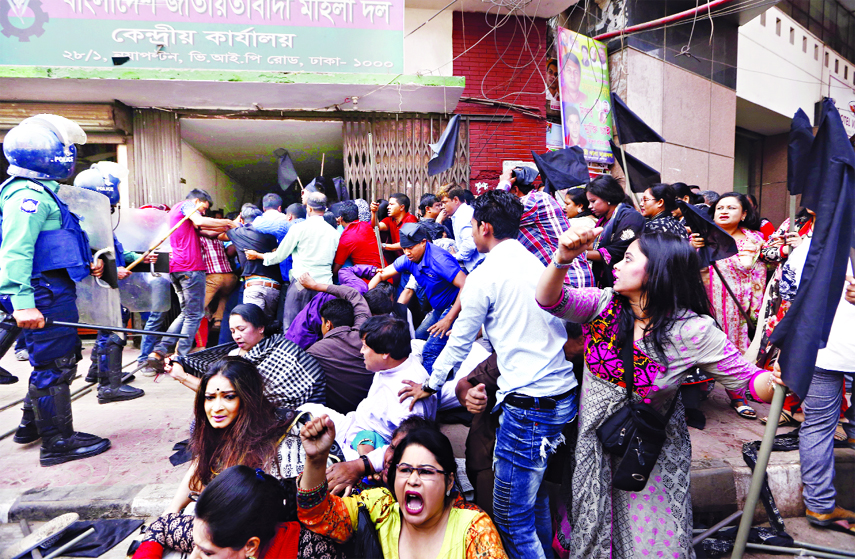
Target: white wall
[[200, 172], [430, 47], [774, 73]]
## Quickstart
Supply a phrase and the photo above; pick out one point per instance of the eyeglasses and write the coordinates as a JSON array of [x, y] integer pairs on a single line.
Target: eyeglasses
[[425, 473], [646, 199]]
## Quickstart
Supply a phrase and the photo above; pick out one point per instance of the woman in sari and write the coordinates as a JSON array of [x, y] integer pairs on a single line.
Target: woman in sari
[[735, 285], [658, 305]]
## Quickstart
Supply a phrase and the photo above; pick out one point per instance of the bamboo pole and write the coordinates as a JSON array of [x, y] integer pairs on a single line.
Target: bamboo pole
[[323, 158], [161, 241], [759, 472]]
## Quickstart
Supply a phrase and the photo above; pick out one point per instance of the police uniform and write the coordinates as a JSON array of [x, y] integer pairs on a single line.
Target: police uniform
[[43, 253]]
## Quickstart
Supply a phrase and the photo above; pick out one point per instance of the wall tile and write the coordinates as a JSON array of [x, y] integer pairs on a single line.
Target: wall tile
[[722, 120], [682, 164], [721, 173], [645, 85], [686, 118]]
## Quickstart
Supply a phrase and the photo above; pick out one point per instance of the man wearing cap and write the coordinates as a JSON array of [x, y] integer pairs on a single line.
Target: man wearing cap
[[542, 222], [312, 243], [455, 206], [440, 275]]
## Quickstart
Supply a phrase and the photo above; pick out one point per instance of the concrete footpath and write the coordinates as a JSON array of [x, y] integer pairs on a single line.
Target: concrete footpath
[[135, 478]]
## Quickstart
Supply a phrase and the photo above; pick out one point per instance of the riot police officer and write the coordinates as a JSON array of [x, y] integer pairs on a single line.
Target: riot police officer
[[106, 366], [43, 253]]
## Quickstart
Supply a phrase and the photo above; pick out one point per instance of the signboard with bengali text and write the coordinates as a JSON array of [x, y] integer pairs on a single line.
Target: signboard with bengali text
[[583, 79], [353, 36]]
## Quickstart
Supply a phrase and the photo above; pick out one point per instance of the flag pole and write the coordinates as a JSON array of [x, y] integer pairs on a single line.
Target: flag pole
[[626, 175], [759, 472], [792, 214]]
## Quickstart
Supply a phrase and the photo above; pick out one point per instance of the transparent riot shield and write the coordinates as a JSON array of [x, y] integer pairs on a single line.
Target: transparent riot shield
[[97, 302], [138, 230]]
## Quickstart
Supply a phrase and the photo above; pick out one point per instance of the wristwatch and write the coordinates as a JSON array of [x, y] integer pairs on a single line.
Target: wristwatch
[[428, 389], [368, 468]]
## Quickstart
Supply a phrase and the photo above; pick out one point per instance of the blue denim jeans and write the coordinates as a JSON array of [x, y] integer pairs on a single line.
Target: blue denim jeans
[[190, 288], [434, 344], [430, 319], [816, 439], [154, 323], [524, 441]]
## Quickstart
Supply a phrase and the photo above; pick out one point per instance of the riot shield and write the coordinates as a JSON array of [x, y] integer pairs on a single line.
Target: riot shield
[[138, 230], [97, 303]]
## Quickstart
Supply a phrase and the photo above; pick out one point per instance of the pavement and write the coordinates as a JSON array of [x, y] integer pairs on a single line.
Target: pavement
[[135, 478]]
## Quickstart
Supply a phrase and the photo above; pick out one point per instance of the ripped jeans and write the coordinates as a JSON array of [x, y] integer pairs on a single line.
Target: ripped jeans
[[524, 441]]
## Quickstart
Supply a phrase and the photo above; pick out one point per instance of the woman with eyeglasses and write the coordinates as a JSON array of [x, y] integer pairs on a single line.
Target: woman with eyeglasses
[[657, 204], [423, 516]]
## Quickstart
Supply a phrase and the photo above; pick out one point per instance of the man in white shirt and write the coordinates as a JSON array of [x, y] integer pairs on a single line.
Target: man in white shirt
[[387, 353], [821, 405], [537, 388], [312, 243], [460, 212]]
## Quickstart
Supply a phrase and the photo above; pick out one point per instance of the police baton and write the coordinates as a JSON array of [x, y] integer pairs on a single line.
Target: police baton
[[52, 322], [161, 241]]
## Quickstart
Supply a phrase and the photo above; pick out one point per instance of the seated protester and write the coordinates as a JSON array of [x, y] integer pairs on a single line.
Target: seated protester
[[262, 284], [357, 244], [398, 214], [343, 477], [306, 327], [291, 376], [657, 205], [416, 518], [340, 350], [542, 222], [242, 511], [439, 274], [381, 300], [386, 348]]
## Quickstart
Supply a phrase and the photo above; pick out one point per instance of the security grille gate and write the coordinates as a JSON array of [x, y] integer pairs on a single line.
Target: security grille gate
[[399, 155]]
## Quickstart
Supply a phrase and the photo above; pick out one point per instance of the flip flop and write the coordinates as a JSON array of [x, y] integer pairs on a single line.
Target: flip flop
[[786, 420], [742, 409]]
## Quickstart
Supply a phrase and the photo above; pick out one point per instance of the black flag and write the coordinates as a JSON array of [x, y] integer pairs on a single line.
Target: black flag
[[563, 168], [286, 174], [629, 127], [798, 149], [718, 244], [444, 150], [831, 173], [640, 174]]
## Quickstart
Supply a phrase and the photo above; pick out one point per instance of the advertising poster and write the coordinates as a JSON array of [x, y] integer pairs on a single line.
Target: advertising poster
[[844, 99], [583, 79], [358, 36]]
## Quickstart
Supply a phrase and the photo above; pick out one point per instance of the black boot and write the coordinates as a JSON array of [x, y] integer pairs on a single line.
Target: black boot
[[92, 374], [27, 431], [60, 443], [111, 388]]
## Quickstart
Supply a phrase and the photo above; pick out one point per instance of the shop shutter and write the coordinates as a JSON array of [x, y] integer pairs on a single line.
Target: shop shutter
[[401, 153], [156, 177]]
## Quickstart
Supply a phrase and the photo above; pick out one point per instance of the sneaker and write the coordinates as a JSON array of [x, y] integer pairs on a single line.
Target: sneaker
[[824, 520], [148, 371], [22, 355]]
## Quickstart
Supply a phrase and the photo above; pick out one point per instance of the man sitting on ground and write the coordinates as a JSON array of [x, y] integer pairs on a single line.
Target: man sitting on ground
[[386, 348]]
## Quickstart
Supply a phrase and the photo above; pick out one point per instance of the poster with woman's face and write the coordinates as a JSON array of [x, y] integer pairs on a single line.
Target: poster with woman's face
[[583, 79]]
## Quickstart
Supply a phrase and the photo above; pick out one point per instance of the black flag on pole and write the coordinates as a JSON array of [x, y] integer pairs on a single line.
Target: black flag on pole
[[445, 149], [718, 244], [640, 174], [629, 127], [830, 168], [286, 174], [562, 168], [798, 150]]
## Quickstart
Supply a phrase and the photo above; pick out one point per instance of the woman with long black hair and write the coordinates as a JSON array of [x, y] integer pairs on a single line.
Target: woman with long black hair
[[658, 305], [621, 225]]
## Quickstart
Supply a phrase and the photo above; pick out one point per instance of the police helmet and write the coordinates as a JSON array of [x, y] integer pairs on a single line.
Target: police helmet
[[42, 147], [103, 177]]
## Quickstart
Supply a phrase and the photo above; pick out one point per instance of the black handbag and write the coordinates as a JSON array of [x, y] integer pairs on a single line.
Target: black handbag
[[635, 433]]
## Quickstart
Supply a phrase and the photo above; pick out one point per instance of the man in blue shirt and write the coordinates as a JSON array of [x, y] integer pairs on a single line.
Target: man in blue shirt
[[441, 277]]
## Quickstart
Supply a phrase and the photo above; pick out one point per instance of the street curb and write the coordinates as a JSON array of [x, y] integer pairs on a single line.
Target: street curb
[[718, 488]]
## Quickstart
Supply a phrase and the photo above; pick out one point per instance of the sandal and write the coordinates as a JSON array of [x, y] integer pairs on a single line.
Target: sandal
[[155, 362], [786, 420], [743, 409]]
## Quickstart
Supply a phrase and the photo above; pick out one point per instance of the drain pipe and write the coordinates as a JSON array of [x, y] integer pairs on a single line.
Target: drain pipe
[[663, 20]]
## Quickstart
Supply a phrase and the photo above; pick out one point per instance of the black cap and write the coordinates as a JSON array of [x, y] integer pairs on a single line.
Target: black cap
[[412, 234]]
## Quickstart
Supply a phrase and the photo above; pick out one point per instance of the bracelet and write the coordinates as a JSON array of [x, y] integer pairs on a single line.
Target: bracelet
[[557, 264], [310, 498], [368, 468]]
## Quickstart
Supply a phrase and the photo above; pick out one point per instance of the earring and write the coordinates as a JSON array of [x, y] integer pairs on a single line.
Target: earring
[[448, 493]]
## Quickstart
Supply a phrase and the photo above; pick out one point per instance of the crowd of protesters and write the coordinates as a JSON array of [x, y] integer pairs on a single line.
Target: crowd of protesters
[[349, 330]]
